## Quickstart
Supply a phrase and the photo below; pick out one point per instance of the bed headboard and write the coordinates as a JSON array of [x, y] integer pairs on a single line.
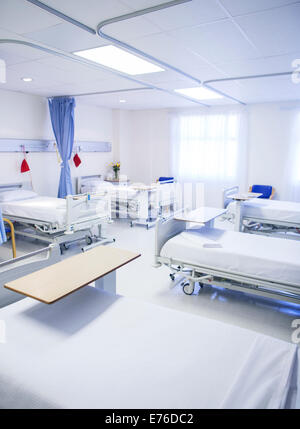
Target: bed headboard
[[227, 194], [81, 179], [165, 229], [14, 186]]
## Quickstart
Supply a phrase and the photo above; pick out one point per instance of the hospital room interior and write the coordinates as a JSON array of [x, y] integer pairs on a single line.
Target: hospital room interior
[[149, 204]]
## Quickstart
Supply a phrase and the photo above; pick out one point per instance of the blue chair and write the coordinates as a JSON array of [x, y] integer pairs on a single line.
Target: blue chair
[[266, 191], [166, 179]]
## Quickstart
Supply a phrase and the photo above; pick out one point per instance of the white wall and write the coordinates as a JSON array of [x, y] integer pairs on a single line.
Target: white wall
[[271, 128], [27, 117], [145, 144]]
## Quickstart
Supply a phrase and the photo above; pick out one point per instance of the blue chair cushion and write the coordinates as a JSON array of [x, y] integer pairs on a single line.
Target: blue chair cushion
[[265, 190], [166, 179]]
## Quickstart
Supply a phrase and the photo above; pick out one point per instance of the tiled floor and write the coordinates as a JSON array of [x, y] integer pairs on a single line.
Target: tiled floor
[[141, 281]]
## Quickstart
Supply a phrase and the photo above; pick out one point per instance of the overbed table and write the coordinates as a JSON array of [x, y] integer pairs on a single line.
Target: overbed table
[[240, 198], [203, 215]]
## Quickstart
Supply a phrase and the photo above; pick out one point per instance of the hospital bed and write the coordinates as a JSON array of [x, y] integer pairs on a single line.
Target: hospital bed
[[94, 349], [263, 216], [78, 217], [229, 259], [142, 204]]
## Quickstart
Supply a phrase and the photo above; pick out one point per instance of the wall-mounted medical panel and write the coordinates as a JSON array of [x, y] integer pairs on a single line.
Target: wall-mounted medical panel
[[21, 145]]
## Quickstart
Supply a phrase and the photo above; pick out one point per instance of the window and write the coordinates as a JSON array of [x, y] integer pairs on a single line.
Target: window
[[206, 147]]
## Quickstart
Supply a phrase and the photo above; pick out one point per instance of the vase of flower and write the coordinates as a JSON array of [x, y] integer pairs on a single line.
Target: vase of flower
[[116, 168]]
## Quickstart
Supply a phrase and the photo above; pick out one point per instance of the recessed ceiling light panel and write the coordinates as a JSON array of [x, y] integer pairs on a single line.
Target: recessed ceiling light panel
[[27, 79], [118, 59]]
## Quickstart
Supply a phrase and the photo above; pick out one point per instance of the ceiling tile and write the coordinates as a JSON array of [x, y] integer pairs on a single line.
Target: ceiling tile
[[243, 7], [41, 74], [275, 31], [141, 4], [174, 52], [187, 14], [66, 37], [131, 29], [16, 51], [262, 90], [216, 42], [76, 71], [19, 16], [90, 12], [273, 64]]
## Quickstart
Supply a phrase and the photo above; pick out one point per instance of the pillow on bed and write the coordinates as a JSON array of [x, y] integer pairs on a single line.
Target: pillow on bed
[[15, 195]]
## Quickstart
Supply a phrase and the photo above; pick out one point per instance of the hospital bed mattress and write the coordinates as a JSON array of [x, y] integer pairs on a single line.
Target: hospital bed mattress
[[245, 254], [45, 209], [283, 211], [95, 350]]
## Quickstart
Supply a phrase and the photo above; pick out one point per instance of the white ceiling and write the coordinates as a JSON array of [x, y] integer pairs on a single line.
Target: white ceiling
[[208, 39]]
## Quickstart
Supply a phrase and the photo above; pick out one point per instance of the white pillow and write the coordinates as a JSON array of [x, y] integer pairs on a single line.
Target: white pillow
[[17, 194]]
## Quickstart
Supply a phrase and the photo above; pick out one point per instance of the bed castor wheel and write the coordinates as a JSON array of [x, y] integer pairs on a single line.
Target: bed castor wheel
[[131, 224], [64, 247], [172, 277], [89, 240], [188, 289]]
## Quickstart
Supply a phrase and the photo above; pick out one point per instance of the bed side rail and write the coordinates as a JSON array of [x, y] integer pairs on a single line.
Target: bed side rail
[[15, 186], [14, 268], [227, 194], [165, 229], [86, 207]]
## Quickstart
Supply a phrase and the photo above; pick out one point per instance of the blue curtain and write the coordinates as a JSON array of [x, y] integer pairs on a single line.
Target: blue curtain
[[62, 118], [2, 230]]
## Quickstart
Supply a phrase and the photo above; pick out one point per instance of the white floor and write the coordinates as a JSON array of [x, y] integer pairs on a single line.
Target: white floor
[[140, 280]]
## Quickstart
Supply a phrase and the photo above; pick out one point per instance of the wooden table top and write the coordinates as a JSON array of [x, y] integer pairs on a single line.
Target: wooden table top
[[58, 280]]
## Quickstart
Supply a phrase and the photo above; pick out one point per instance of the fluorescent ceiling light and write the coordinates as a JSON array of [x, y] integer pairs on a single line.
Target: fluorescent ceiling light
[[199, 93], [118, 59], [27, 79], [122, 101]]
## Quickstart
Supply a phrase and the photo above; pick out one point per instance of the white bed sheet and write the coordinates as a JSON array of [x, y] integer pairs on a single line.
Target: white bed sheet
[[95, 350], [265, 257], [46, 209], [49, 209], [284, 211]]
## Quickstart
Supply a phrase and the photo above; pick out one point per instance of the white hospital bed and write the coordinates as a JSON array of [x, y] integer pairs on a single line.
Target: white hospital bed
[[55, 219], [97, 350], [264, 216], [142, 204], [229, 259]]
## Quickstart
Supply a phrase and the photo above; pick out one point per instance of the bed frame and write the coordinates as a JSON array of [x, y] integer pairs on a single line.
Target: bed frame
[[256, 225], [78, 227], [166, 228], [139, 209], [21, 266]]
